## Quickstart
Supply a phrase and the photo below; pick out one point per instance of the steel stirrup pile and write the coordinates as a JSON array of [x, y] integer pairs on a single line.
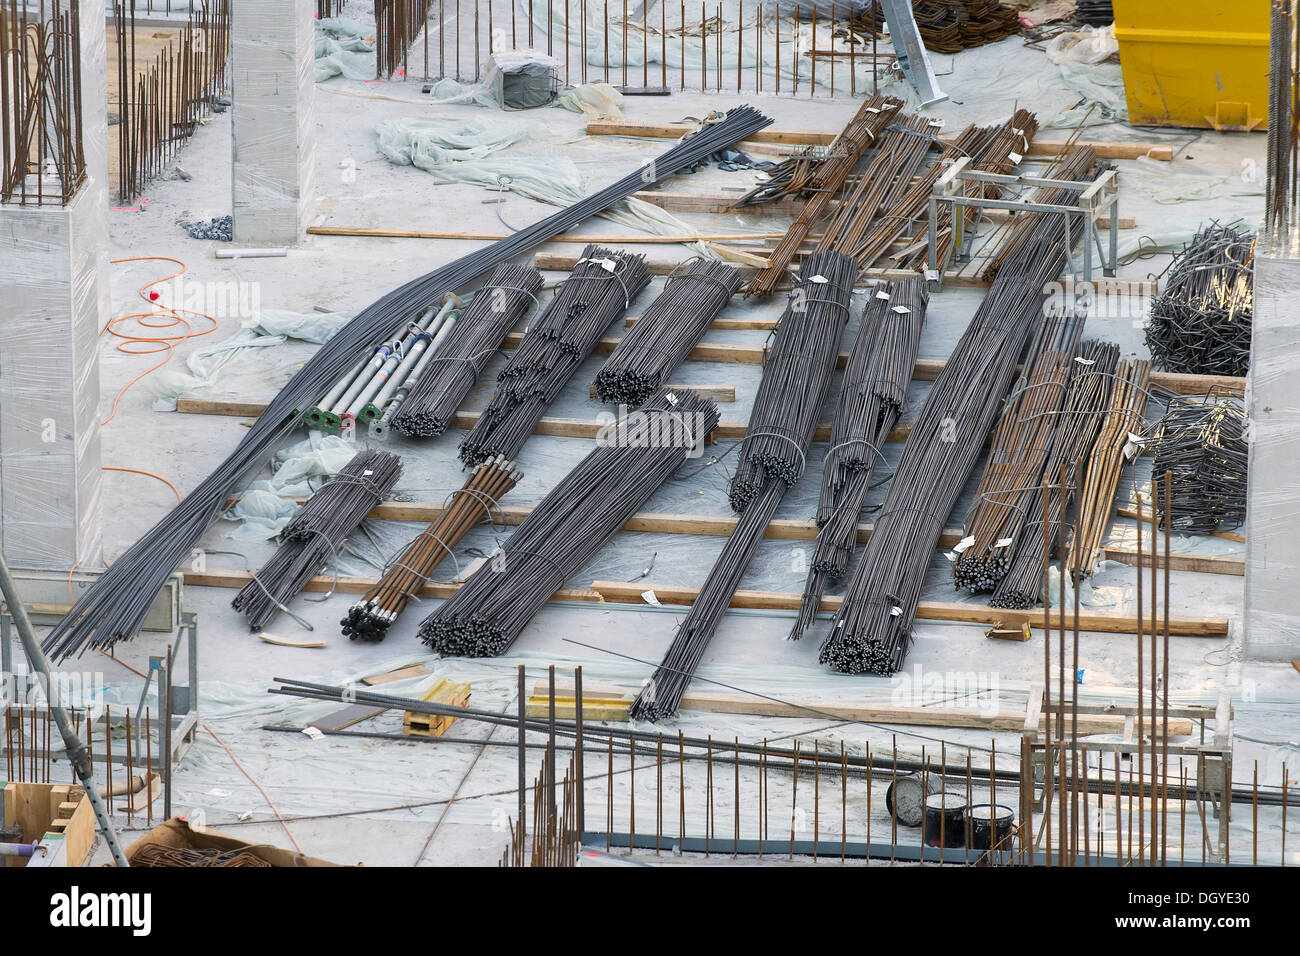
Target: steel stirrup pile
[[1075, 436], [448, 376], [870, 403], [1202, 441], [572, 523], [1200, 323], [114, 607], [1020, 445], [664, 335], [796, 378], [858, 135], [597, 291], [371, 617], [872, 630], [313, 537], [1125, 413]]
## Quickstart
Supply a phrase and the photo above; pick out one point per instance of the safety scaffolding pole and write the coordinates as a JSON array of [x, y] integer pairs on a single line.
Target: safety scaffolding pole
[[72, 745]]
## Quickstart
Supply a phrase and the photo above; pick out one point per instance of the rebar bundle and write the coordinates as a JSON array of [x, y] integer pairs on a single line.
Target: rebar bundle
[[796, 378], [313, 536], [598, 290], [870, 403], [667, 330], [113, 608], [454, 369], [859, 134], [872, 629], [1094, 13], [1077, 425], [1021, 443], [1201, 320], [371, 617], [1202, 441], [1282, 200], [1125, 411], [950, 26], [570, 525], [155, 854]]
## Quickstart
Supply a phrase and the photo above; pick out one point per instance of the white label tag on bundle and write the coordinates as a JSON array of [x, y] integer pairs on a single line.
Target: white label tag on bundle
[[1132, 445], [1002, 543], [902, 310], [895, 611], [313, 732], [883, 295], [367, 473], [937, 123], [607, 264], [1083, 361], [672, 398], [964, 543], [931, 275], [651, 598], [819, 279], [1018, 132], [1015, 158], [872, 109], [950, 556]]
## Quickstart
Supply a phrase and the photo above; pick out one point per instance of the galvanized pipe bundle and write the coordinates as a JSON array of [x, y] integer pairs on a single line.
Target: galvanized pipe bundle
[[1125, 412], [796, 378], [115, 606], [1021, 443], [1202, 441], [598, 290], [667, 330], [872, 630], [1075, 435], [370, 618], [369, 386], [870, 403], [313, 537], [1201, 321], [566, 530], [437, 392]]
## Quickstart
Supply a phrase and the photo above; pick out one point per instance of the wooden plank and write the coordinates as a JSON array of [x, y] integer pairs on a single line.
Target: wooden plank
[[728, 325], [714, 393], [347, 716], [1204, 563], [323, 583], [741, 257], [628, 239], [1225, 535], [27, 805], [284, 642], [715, 203], [79, 833], [402, 673], [624, 593]]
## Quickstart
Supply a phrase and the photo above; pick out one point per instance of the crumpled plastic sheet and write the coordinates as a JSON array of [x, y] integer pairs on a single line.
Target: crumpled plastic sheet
[[299, 470], [272, 327], [344, 48]]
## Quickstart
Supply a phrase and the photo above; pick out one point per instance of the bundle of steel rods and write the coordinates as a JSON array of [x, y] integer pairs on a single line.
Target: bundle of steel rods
[[113, 608], [1020, 443], [598, 290], [1282, 198], [312, 538], [870, 403], [1125, 412], [1077, 423], [872, 629], [796, 378], [571, 524], [1202, 441], [1201, 320], [449, 374], [861, 133], [664, 335], [371, 617], [950, 26]]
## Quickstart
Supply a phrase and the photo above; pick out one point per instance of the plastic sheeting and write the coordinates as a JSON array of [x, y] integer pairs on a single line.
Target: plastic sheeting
[[344, 48]]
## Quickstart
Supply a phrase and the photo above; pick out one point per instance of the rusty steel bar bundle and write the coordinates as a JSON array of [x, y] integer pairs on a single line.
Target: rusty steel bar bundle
[[599, 290], [40, 103], [1078, 423], [589, 505], [1203, 442], [872, 629], [870, 404], [950, 26], [787, 408], [1124, 414], [370, 618], [667, 330], [1200, 322], [1282, 201], [397, 25], [313, 537], [477, 335], [114, 607], [858, 135], [1021, 443]]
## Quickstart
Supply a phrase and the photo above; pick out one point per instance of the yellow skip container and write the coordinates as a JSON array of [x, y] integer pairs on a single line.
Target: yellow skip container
[[1195, 62]]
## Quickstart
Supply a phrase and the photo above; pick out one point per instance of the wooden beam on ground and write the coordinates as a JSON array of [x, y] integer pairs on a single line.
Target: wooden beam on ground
[[324, 583], [624, 593], [714, 393], [723, 325], [1236, 536], [718, 203], [1206, 563], [628, 239]]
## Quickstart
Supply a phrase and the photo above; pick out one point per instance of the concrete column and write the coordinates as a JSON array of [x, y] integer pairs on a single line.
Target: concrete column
[[55, 292], [1273, 495], [273, 78]]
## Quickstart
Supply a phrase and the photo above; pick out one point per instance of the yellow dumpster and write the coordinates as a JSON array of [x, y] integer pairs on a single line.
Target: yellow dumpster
[[1195, 62]]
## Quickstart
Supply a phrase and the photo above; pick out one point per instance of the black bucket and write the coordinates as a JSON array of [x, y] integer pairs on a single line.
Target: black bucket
[[989, 826], [906, 793], [945, 820]]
